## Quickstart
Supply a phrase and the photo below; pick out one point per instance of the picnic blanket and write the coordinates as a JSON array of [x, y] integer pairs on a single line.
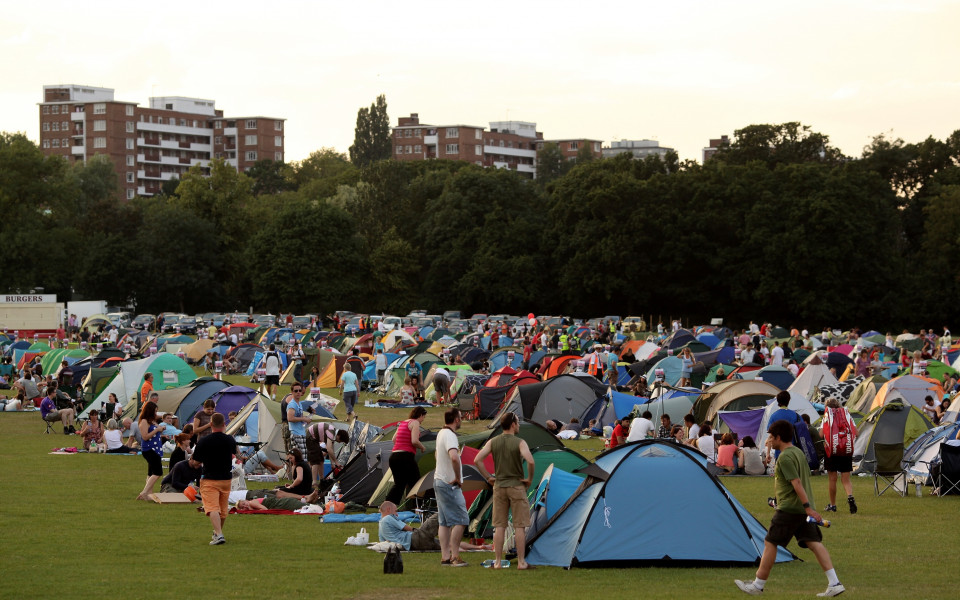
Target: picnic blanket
[[71, 450], [383, 404], [269, 511], [406, 516]]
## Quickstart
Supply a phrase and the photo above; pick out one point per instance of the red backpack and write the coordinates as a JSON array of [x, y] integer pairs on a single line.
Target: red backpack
[[838, 432]]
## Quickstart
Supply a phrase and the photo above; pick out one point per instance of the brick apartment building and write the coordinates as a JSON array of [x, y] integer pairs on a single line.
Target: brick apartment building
[[639, 148], [570, 148], [506, 144], [714, 147], [153, 144]]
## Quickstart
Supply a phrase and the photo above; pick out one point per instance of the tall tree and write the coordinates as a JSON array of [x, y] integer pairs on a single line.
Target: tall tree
[[371, 140]]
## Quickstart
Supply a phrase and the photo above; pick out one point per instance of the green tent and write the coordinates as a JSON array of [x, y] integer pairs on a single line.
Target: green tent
[[892, 423]]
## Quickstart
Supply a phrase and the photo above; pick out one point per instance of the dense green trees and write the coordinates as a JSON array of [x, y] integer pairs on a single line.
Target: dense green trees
[[779, 226], [371, 141]]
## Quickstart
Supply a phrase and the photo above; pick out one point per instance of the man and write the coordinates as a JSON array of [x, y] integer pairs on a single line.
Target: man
[[747, 354], [776, 355], [441, 384], [284, 425], [392, 529], [784, 413], [271, 363], [665, 427], [146, 388], [415, 375], [298, 358], [49, 412], [930, 409], [620, 432], [349, 388], [509, 486], [215, 453], [447, 479], [297, 419], [112, 336], [381, 364], [320, 439], [794, 504], [693, 429], [642, 428], [30, 390]]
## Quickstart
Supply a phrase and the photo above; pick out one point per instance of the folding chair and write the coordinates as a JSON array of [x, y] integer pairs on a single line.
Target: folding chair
[[49, 428], [948, 479], [888, 469]]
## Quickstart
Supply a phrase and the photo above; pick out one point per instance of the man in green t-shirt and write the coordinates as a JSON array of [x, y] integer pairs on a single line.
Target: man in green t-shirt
[[509, 486], [794, 505]]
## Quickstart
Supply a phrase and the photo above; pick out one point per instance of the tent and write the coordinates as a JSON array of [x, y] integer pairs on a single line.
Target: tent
[[635, 507], [918, 456], [910, 388], [674, 402], [732, 394], [501, 356], [813, 375], [196, 351], [259, 421], [861, 398], [330, 374], [186, 400], [561, 398], [778, 376], [232, 398], [243, 354], [895, 422], [798, 404]]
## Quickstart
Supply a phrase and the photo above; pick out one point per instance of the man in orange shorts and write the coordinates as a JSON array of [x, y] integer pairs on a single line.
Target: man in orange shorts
[[215, 452], [509, 486]]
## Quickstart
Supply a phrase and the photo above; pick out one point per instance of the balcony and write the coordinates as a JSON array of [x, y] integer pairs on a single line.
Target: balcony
[[160, 127], [230, 131], [78, 150], [527, 169], [77, 116], [201, 147], [509, 151], [430, 140], [148, 142]]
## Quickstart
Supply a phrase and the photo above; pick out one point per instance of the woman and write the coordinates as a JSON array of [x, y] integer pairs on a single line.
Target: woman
[[705, 442], [676, 434], [92, 432], [686, 368], [302, 483], [863, 364], [839, 432], [750, 462], [181, 452], [403, 459], [202, 421], [942, 409], [152, 448], [728, 455], [113, 438]]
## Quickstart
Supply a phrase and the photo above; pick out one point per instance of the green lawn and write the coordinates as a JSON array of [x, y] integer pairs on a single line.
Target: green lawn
[[70, 528]]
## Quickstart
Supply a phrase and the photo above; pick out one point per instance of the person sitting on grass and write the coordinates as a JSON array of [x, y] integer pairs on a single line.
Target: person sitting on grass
[[728, 455], [113, 438], [92, 432], [180, 477], [302, 482], [751, 461], [422, 539]]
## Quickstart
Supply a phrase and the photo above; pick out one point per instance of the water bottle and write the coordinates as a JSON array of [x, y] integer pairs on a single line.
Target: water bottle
[[919, 490], [821, 523]]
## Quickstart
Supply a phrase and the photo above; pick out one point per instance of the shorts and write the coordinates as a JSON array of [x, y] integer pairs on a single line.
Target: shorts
[[271, 380], [784, 526], [154, 464], [350, 400], [514, 500], [838, 464], [441, 385], [52, 416], [451, 506], [299, 441], [215, 494]]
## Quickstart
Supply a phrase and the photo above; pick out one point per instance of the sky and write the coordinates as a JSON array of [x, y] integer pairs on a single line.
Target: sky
[[680, 72]]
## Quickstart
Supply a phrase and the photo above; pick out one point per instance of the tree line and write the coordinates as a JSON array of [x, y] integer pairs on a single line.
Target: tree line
[[778, 226]]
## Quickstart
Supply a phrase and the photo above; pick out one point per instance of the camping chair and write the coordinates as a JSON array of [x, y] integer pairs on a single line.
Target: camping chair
[[49, 428], [888, 469], [948, 479]]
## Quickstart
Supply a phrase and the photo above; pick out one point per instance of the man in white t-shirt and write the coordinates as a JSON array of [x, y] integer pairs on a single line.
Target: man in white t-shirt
[[271, 363], [747, 354], [642, 428], [112, 336], [776, 355], [793, 368], [447, 481]]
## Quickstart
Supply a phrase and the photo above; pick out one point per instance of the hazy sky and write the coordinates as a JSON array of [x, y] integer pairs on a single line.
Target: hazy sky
[[680, 72]]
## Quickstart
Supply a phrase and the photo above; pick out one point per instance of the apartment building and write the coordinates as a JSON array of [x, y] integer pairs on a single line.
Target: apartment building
[[714, 147], [153, 144], [640, 148], [505, 145], [570, 148]]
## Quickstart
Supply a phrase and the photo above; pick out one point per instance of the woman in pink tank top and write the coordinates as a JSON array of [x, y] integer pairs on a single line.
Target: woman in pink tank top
[[403, 459]]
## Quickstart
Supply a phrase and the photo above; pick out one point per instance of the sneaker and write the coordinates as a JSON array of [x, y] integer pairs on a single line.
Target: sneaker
[[832, 590], [458, 562], [66, 431], [217, 540], [748, 587], [446, 562], [830, 508], [853, 508]]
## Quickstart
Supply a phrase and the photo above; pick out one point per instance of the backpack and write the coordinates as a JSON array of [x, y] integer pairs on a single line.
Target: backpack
[[392, 561], [268, 356], [838, 433], [803, 440]]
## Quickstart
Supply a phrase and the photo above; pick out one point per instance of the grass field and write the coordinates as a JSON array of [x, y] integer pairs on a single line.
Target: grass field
[[70, 528]]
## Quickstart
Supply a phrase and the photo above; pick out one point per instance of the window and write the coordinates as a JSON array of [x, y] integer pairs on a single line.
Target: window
[[418, 149], [183, 122], [218, 125], [478, 150], [55, 110], [55, 143], [130, 127], [509, 144], [501, 143], [453, 132], [218, 140], [100, 125], [399, 149], [219, 155], [251, 124], [408, 149], [417, 132], [46, 110], [100, 142], [172, 121], [453, 149], [46, 126], [66, 143], [130, 160], [408, 133], [251, 155], [250, 140], [479, 163], [55, 126], [398, 133], [46, 143], [130, 144], [278, 125], [478, 133], [130, 178], [130, 194], [100, 109], [278, 141], [573, 145], [278, 156], [129, 110], [195, 123]]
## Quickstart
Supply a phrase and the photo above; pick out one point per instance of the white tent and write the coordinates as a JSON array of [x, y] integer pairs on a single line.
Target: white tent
[[814, 375], [125, 384], [798, 404]]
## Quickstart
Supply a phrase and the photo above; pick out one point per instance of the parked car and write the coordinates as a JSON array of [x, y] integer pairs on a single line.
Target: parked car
[[451, 315], [264, 320], [120, 319], [637, 323], [302, 322], [144, 322], [353, 325]]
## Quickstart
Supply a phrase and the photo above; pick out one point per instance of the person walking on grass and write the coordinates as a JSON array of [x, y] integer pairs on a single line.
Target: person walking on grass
[[509, 487], [215, 454], [794, 504]]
